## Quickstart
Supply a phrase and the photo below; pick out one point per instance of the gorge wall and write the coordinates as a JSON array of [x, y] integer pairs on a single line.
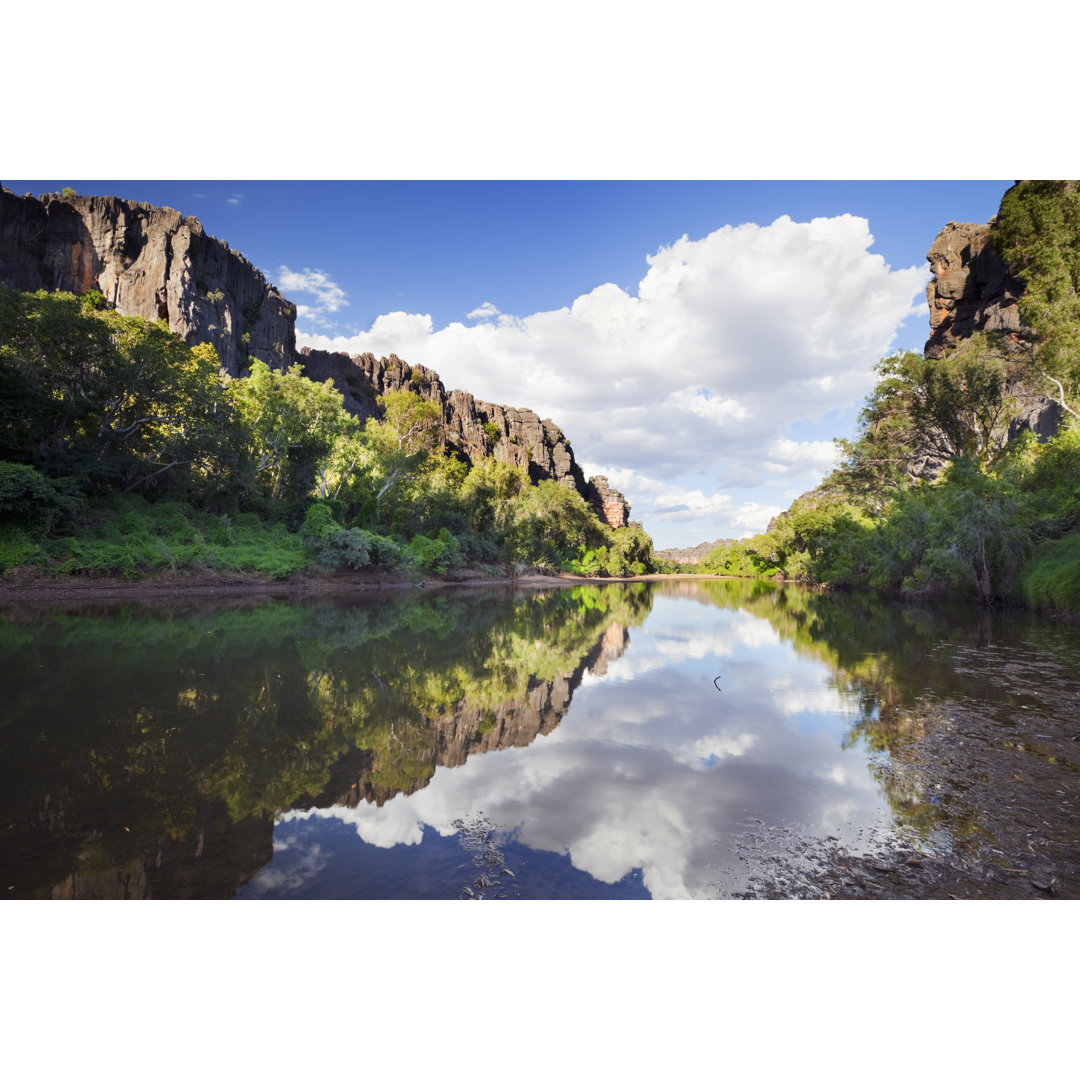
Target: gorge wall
[[155, 263], [151, 262], [971, 292], [971, 289]]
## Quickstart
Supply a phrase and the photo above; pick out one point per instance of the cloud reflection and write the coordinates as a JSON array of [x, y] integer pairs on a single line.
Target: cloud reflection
[[652, 769]]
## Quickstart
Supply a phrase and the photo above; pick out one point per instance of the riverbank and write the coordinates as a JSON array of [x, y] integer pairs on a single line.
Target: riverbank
[[34, 586]]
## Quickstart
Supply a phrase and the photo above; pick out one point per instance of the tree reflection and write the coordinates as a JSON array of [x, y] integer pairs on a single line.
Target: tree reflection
[[895, 663], [141, 748]]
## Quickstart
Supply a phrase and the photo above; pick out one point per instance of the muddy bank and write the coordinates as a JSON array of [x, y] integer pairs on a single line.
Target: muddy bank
[[41, 589]]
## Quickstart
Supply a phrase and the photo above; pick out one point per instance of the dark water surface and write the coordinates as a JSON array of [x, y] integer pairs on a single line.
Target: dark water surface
[[681, 739]]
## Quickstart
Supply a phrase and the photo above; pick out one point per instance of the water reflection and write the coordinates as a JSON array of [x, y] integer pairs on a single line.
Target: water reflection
[[334, 748]]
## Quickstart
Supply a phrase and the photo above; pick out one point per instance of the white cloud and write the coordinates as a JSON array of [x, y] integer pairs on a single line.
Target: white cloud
[[787, 457], [235, 199], [487, 310], [702, 403], [329, 296], [729, 341], [753, 519]]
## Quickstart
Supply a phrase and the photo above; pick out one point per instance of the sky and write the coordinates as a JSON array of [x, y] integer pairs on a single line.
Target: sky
[[700, 343]]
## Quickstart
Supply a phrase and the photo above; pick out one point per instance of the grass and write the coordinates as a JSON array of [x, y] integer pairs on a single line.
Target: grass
[[1050, 580], [130, 537]]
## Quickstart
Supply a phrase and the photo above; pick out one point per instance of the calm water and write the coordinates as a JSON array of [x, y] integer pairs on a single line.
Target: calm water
[[620, 742]]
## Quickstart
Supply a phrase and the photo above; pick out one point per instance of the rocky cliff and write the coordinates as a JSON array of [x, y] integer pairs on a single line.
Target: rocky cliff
[[151, 262], [474, 429], [972, 291], [157, 264], [690, 556]]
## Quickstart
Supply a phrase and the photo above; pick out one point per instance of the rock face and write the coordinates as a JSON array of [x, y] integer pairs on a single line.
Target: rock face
[[609, 504], [155, 263], [474, 429], [147, 261], [690, 556], [972, 291]]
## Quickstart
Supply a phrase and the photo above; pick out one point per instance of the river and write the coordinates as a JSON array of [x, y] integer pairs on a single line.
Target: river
[[682, 739]]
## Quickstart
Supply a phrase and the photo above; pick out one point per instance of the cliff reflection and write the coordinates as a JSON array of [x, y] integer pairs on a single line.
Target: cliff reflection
[[146, 754]]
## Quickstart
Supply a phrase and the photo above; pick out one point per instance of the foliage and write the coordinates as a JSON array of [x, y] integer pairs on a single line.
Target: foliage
[[1037, 233], [1050, 580], [924, 412], [736, 558], [294, 424], [436, 554], [33, 501], [549, 522], [130, 536], [589, 562], [110, 401], [962, 536], [346, 547], [94, 406]]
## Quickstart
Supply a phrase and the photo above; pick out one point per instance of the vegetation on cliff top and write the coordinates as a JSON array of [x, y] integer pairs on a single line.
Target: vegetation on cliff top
[[123, 450]]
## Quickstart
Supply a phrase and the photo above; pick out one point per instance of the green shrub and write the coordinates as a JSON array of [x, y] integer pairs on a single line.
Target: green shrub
[[33, 501], [319, 523], [433, 554], [385, 551], [346, 547], [17, 548]]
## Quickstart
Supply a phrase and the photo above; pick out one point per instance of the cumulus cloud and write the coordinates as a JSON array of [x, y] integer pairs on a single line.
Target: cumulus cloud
[[487, 310], [235, 199], [329, 296], [729, 340]]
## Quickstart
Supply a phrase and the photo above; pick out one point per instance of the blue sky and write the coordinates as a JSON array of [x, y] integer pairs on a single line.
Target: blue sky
[[700, 343]]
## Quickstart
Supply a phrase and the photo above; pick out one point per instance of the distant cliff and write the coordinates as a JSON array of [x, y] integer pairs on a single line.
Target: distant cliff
[[474, 429], [155, 263]]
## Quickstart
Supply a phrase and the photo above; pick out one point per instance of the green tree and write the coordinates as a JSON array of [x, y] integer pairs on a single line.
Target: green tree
[[963, 535], [294, 424], [925, 412], [1037, 233], [550, 523], [398, 447], [112, 400]]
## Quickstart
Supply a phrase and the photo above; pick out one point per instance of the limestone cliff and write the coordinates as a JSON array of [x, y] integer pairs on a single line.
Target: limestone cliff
[[473, 428], [151, 262], [155, 263], [609, 504], [972, 291]]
